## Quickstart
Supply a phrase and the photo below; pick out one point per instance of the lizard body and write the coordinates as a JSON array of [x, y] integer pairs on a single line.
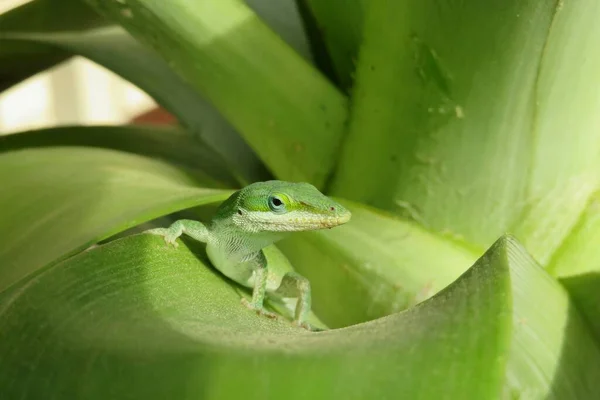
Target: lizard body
[[249, 221]]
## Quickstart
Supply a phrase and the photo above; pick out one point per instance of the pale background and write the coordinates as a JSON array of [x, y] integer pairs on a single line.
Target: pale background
[[76, 92]]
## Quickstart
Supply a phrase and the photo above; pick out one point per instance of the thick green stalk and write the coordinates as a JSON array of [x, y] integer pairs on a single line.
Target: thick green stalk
[[290, 114]]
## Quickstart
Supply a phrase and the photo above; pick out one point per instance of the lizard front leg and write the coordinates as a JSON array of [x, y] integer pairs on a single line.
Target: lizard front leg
[[258, 264], [193, 229]]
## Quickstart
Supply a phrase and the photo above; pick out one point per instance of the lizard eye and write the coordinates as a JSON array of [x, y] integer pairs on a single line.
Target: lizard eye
[[275, 204]]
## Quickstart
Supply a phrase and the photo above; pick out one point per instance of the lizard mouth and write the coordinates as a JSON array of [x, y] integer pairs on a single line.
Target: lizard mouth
[[320, 222], [341, 219], [299, 222]]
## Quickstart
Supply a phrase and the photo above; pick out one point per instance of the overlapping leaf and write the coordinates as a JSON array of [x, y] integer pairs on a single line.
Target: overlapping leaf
[[463, 128], [459, 111], [577, 265], [340, 24], [116, 50], [290, 114], [170, 144], [101, 324], [55, 201], [374, 266], [21, 60]]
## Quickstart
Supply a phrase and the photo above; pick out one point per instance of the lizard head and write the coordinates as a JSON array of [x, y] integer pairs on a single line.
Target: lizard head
[[278, 206]]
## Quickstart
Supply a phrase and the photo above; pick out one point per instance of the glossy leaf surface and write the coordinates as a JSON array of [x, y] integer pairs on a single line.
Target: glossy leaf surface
[[285, 109], [55, 201], [459, 112], [170, 144], [116, 50], [19, 61], [110, 321]]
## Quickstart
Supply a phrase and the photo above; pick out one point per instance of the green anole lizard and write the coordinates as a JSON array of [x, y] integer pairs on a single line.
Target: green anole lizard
[[249, 221]]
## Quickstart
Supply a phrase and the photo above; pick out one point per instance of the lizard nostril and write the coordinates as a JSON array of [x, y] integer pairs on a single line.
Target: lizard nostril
[[332, 208]]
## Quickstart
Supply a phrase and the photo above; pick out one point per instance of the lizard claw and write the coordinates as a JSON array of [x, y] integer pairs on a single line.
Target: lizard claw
[[258, 310]]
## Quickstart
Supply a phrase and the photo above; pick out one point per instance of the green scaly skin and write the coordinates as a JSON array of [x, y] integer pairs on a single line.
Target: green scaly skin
[[250, 220]]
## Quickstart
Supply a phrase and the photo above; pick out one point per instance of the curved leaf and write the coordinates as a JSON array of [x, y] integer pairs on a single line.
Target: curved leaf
[[170, 144], [577, 266], [116, 50], [423, 92], [19, 61], [565, 171], [374, 266], [55, 201], [552, 354], [115, 316], [290, 114], [109, 322], [459, 113]]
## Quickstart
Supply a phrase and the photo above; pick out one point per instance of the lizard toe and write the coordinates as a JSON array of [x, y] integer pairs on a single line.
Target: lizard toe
[[304, 325], [171, 241], [258, 310]]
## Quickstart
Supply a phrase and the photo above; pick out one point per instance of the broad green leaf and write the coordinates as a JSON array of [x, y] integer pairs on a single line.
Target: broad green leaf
[[70, 15], [55, 201], [138, 319], [340, 24], [170, 144], [290, 114], [552, 353], [109, 322], [374, 266], [577, 265], [566, 155], [579, 252], [452, 114], [19, 61], [438, 100], [116, 50]]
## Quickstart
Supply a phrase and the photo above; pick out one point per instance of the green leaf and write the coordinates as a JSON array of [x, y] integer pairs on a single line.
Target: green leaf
[[112, 320], [284, 18], [577, 266], [340, 23], [459, 113], [55, 201], [170, 144], [566, 155], [374, 266], [19, 61], [282, 106], [583, 289], [50, 16], [116, 50], [109, 322], [552, 354]]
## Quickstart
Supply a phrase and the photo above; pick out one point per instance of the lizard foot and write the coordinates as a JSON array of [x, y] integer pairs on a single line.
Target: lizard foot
[[304, 325], [258, 310], [166, 234]]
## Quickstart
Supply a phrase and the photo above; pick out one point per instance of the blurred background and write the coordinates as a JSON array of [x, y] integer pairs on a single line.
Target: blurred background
[[76, 92]]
